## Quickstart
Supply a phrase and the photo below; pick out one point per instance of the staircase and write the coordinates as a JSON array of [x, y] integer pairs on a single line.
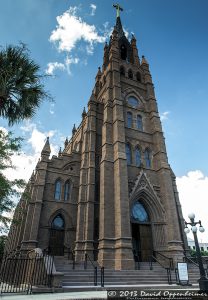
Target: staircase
[[80, 278]]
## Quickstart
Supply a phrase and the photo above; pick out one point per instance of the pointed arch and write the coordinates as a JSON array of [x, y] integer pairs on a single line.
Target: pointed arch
[[58, 222], [145, 193], [130, 91]]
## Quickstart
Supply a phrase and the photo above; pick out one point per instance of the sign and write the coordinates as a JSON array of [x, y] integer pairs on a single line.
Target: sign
[[183, 273]]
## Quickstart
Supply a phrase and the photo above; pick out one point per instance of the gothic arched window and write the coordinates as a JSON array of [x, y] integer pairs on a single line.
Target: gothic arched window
[[139, 123], [130, 74], [122, 71], [123, 50], [147, 156], [129, 119], [128, 154], [138, 76], [139, 213], [138, 157], [67, 188], [57, 192], [58, 223]]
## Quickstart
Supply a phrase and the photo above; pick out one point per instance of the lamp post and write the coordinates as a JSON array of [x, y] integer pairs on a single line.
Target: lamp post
[[203, 281]]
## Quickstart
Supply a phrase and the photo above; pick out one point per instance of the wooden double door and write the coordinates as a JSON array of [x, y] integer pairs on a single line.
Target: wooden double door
[[142, 241], [56, 242]]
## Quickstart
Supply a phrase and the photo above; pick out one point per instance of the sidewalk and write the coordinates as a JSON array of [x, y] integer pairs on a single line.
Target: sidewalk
[[57, 296]]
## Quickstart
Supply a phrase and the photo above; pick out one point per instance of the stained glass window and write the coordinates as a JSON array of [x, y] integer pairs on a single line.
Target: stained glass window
[[133, 101], [139, 213], [58, 222], [139, 123], [66, 191], [128, 154], [129, 119], [57, 194]]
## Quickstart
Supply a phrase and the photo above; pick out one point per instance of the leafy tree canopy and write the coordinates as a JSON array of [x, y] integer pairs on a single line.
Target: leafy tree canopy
[[21, 85], [8, 188]]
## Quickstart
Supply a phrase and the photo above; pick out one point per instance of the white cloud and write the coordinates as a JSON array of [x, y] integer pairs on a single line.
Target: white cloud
[[69, 61], [193, 193], [73, 34], [164, 115], [71, 29], [34, 140], [51, 66], [51, 109], [93, 9]]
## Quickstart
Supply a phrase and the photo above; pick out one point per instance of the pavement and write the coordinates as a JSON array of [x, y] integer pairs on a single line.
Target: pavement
[[57, 296], [92, 295]]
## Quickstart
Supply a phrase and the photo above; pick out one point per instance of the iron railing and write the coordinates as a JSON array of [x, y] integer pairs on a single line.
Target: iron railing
[[18, 274], [95, 267], [168, 270], [166, 258]]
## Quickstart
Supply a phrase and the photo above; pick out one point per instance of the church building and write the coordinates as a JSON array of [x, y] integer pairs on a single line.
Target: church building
[[111, 192]]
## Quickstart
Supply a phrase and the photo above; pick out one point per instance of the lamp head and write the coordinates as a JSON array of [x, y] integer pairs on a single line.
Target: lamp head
[[191, 216], [201, 229], [194, 229], [186, 230]]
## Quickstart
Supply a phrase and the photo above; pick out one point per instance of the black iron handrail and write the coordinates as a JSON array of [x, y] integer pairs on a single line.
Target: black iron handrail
[[102, 270], [153, 258], [187, 258], [168, 270], [170, 259], [87, 257]]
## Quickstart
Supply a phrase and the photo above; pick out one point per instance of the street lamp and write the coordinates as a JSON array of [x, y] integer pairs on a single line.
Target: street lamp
[[203, 281]]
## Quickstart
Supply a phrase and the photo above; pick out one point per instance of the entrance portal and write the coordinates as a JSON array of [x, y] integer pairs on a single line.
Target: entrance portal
[[141, 233], [56, 241]]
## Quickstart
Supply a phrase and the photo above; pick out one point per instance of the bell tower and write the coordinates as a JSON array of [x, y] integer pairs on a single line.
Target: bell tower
[[135, 176]]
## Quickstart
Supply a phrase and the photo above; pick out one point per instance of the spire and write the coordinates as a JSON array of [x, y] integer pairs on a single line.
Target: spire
[[84, 113], [66, 142], [74, 130], [60, 152], [144, 61], [46, 149], [118, 26]]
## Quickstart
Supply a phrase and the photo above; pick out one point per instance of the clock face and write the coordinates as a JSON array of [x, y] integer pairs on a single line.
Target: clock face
[[139, 213], [133, 101]]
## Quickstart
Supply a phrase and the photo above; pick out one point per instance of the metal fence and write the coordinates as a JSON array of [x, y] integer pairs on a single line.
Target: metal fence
[[18, 274]]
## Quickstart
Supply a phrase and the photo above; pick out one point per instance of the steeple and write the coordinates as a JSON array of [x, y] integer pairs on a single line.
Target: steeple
[[45, 153], [118, 26]]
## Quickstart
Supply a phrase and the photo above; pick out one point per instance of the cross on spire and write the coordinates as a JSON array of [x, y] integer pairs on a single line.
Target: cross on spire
[[118, 9]]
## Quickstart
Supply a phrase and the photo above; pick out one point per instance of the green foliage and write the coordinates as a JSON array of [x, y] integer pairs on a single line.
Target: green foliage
[[21, 87], [8, 188], [2, 244], [193, 253]]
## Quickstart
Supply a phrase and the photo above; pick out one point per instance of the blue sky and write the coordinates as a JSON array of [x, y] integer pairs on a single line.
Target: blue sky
[[67, 37]]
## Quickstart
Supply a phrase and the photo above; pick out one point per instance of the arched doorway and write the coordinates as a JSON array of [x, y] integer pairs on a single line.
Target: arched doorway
[[56, 241], [142, 244]]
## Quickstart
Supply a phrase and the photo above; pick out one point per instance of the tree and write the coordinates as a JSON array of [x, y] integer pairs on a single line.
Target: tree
[[8, 188], [21, 87]]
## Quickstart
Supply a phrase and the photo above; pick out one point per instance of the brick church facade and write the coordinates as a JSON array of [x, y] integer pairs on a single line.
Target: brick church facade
[[111, 192]]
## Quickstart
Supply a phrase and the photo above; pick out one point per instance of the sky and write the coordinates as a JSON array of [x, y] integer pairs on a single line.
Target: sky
[[66, 38]]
